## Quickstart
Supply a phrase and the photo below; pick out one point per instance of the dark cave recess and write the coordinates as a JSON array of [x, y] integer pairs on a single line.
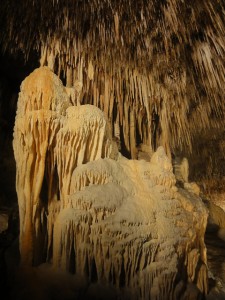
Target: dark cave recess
[[13, 70]]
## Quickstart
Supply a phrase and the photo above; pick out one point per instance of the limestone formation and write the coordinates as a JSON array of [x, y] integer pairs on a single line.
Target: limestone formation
[[86, 209], [47, 129], [155, 68], [181, 169], [42, 101], [123, 219]]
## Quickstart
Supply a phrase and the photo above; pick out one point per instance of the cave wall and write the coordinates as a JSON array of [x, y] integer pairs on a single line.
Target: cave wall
[[13, 70]]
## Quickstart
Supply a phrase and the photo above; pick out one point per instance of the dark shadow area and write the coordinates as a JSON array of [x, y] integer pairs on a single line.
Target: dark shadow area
[[216, 262], [13, 70]]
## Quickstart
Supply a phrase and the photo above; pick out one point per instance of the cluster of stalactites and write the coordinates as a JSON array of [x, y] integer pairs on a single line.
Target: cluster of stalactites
[[155, 68], [139, 108]]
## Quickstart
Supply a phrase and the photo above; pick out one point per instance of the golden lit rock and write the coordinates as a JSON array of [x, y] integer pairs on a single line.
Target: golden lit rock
[[88, 210]]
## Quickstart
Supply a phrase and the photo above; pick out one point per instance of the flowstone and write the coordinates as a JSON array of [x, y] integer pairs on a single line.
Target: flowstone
[[86, 209]]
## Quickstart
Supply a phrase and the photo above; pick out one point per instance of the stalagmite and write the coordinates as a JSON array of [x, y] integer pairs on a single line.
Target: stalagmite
[[42, 101], [88, 210], [84, 137], [181, 169], [127, 217], [45, 126]]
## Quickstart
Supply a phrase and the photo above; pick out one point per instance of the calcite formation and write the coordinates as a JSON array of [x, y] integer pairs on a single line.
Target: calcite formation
[[86, 209], [155, 67], [41, 102]]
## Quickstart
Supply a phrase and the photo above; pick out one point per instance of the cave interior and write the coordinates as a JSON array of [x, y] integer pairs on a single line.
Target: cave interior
[[156, 70]]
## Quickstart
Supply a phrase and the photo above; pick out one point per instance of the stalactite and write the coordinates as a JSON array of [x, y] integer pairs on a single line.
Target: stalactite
[[132, 131], [147, 65]]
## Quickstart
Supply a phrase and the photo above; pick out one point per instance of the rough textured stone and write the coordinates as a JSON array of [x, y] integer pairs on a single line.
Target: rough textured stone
[[88, 210]]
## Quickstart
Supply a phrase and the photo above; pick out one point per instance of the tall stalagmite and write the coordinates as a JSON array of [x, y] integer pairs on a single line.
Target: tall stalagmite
[[42, 101]]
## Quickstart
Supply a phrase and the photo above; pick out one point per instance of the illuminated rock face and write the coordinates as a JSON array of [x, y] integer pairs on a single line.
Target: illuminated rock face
[[47, 128], [42, 102], [88, 210]]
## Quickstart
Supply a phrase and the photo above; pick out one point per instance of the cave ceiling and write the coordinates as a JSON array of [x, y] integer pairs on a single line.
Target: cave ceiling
[[156, 68]]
